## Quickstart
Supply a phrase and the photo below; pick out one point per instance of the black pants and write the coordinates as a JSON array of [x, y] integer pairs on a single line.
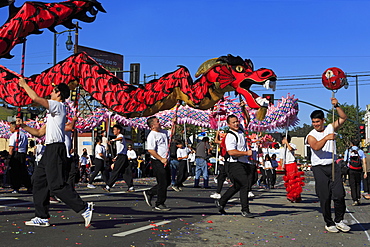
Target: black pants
[[99, 167], [163, 176], [262, 179], [121, 165], [50, 176], [239, 174], [182, 173], [366, 182], [222, 175], [326, 190], [73, 171], [18, 172], [273, 179], [268, 173], [355, 183]]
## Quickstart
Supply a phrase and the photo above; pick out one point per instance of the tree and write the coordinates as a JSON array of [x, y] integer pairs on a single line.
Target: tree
[[350, 128], [301, 131]]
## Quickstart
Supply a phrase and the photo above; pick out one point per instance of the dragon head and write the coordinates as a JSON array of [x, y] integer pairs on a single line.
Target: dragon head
[[240, 75]]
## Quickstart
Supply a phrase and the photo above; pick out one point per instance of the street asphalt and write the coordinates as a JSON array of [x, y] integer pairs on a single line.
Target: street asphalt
[[124, 219]]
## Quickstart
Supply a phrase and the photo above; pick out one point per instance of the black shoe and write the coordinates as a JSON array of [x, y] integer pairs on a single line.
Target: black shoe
[[148, 198], [221, 209], [197, 186], [248, 214], [208, 187], [162, 207]]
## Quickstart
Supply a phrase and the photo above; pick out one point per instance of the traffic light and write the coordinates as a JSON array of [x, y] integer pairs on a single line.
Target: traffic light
[[269, 97], [142, 136], [99, 130], [135, 73], [361, 130]]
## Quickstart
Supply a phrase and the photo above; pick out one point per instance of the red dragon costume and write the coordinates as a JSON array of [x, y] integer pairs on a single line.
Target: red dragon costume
[[216, 76], [228, 73], [33, 16]]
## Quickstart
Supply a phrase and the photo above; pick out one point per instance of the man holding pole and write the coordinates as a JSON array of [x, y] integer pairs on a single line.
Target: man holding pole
[[322, 142]]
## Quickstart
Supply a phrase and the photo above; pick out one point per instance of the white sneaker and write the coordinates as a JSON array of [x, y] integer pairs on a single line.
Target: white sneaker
[[250, 194], [215, 179], [131, 189], [175, 188], [215, 196], [87, 215], [225, 182], [90, 186], [37, 221], [342, 226], [331, 228]]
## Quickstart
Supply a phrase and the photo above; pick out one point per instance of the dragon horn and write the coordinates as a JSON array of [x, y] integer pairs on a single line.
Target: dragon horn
[[204, 67], [261, 113]]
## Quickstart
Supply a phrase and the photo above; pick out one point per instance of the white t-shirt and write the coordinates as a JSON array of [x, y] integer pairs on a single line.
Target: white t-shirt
[[99, 149], [68, 142], [191, 157], [121, 145], [22, 144], [56, 122], [40, 149], [231, 144], [267, 165], [131, 154], [158, 141], [182, 152], [324, 155], [289, 155], [104, 142]]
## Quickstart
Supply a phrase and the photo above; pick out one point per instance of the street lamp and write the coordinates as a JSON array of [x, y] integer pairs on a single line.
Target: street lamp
[[69, 42]]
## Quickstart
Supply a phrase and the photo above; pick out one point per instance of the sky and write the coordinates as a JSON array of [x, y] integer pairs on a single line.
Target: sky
[[296, 39]]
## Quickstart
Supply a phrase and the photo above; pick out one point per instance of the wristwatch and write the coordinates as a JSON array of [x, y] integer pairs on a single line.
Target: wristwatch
[[336, 105]]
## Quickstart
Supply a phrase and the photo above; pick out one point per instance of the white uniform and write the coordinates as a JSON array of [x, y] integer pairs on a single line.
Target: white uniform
[[324, 155], [241, 145], [158, 141]]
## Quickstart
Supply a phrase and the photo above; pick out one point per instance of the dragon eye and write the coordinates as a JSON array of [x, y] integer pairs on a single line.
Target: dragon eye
[[239, 68]]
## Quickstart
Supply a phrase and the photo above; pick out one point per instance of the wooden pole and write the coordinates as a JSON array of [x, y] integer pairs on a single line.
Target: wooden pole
[[333, 161]]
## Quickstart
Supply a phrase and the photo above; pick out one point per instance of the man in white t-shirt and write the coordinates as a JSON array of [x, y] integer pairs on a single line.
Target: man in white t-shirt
[[132, 159], [158, 148], [322, 142], [50, 175], [238, 169], [121, 164], [17, 154]]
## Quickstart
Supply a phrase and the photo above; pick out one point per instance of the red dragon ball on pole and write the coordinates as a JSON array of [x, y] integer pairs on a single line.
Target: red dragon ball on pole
[[334, 79]]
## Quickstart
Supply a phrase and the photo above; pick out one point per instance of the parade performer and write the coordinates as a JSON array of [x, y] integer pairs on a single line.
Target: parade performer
[[323, 145], [50, 175], [293, 180], [238, 169], [158, 148], [121, 163]]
